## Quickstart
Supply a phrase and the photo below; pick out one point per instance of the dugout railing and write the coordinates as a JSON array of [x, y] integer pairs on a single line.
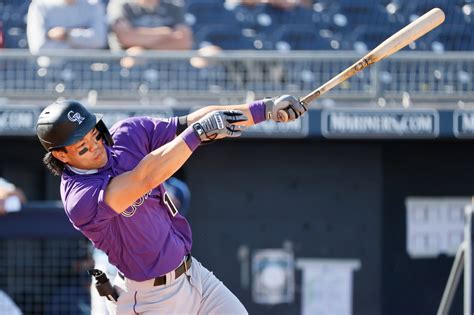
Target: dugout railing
[[43, 261], [177, 77], [462, 264]]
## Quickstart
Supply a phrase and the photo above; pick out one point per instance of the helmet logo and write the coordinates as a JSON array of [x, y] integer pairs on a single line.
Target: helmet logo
[[72, 116]]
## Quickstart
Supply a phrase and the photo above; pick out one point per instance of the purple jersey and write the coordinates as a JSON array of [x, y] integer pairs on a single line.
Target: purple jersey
[[146, 240]]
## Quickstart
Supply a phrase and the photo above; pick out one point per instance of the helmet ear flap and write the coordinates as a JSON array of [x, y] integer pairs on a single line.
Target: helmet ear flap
[[104, 131]]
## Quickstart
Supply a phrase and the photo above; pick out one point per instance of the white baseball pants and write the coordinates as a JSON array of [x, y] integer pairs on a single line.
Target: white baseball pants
[[197, 291]]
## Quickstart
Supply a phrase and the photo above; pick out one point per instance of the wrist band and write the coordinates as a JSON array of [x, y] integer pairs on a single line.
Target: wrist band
[[191, 138], [257, 109]]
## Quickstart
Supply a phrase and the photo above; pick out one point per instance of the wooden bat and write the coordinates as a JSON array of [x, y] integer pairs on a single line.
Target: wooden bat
[[394, 43]]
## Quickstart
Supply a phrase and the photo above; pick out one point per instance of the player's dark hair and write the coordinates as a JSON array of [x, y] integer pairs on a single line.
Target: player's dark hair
[[53, 164]]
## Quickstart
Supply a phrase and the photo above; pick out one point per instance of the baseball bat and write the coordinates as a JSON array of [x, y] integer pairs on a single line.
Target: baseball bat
[[394, 43]]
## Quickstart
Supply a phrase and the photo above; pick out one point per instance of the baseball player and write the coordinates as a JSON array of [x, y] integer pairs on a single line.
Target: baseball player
[[112, 191]]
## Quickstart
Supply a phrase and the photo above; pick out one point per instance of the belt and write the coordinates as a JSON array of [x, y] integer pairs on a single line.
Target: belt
[[177, 272]]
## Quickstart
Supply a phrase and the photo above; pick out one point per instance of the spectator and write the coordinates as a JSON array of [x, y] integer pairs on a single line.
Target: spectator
[[65, 24], [148, 24], [11, 197]]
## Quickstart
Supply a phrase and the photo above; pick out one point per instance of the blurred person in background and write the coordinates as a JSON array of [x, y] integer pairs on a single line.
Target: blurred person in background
[[148, 24], [11, 197], [11, 200], [66, 24]]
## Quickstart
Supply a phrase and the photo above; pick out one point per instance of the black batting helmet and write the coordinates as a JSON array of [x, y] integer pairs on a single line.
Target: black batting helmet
[[66, 122]]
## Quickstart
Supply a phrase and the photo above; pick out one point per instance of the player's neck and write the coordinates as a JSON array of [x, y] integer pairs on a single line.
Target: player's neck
[[81, 171]]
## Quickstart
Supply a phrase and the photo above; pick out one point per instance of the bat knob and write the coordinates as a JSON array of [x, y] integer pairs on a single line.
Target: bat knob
[[282, 116]]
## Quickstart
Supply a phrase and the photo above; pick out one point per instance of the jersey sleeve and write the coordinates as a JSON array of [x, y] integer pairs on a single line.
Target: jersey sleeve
[[144, 134], [85, 206]]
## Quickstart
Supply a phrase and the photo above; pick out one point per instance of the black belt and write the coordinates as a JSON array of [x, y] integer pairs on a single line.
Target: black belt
[[177, 272]]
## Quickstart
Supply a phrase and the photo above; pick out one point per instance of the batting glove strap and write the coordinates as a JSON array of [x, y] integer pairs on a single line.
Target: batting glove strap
[[269, 105]]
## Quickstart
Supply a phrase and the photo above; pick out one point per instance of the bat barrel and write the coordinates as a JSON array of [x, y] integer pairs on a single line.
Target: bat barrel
[[394, 43], [408, 34]]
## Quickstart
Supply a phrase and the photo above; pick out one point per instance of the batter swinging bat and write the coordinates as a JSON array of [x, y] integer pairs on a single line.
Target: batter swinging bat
[[394, 43]]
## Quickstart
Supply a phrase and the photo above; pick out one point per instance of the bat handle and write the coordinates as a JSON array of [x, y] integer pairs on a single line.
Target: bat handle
[[283, 116]]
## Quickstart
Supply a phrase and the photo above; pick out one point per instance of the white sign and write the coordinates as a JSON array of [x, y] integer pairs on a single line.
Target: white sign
[[463, 123], [435, 225], [327, 285], [18, 121], [366, 123]]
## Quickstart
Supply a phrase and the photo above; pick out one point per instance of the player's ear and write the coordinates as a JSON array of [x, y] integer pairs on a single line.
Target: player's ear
[[60, 155]]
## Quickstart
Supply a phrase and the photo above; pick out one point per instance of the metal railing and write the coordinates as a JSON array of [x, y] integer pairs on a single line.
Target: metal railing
[[462, 262], [188, 75]]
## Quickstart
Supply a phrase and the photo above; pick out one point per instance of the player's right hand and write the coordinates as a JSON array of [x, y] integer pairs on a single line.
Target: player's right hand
[[288, 103], [219, 124]]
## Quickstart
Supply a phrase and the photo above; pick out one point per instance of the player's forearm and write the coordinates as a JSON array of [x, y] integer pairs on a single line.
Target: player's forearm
[[196, 115], [163, 162], [153, 169]]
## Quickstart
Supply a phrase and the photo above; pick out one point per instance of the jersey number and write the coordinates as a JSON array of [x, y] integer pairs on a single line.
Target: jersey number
[[171, 207]]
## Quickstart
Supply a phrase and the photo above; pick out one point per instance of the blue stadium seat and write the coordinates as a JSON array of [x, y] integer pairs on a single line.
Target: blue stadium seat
[[456, 37], [13, 17], [248, 16], [204, 12], [188, 2], [362, 13], [279, 17], [299, 37], [14, 37], [373, 36], [453, 13], [225, 36]]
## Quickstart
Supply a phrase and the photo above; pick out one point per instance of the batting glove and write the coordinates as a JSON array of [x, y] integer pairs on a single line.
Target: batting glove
[[219, 124], [290, 104]]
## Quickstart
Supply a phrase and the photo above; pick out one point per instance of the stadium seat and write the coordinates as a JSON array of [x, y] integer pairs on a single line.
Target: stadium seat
[[13, 17], [299, 37], [373, 36], [203, 12], [224, 36], [247, 16], [456, 37], [362, 13]]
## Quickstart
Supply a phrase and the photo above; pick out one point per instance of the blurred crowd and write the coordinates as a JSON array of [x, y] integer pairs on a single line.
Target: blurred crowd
[[121, 24], [138, 25]]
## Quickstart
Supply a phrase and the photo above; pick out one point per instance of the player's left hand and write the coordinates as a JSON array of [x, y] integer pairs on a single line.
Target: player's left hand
[[220, 124], [290, 104]]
